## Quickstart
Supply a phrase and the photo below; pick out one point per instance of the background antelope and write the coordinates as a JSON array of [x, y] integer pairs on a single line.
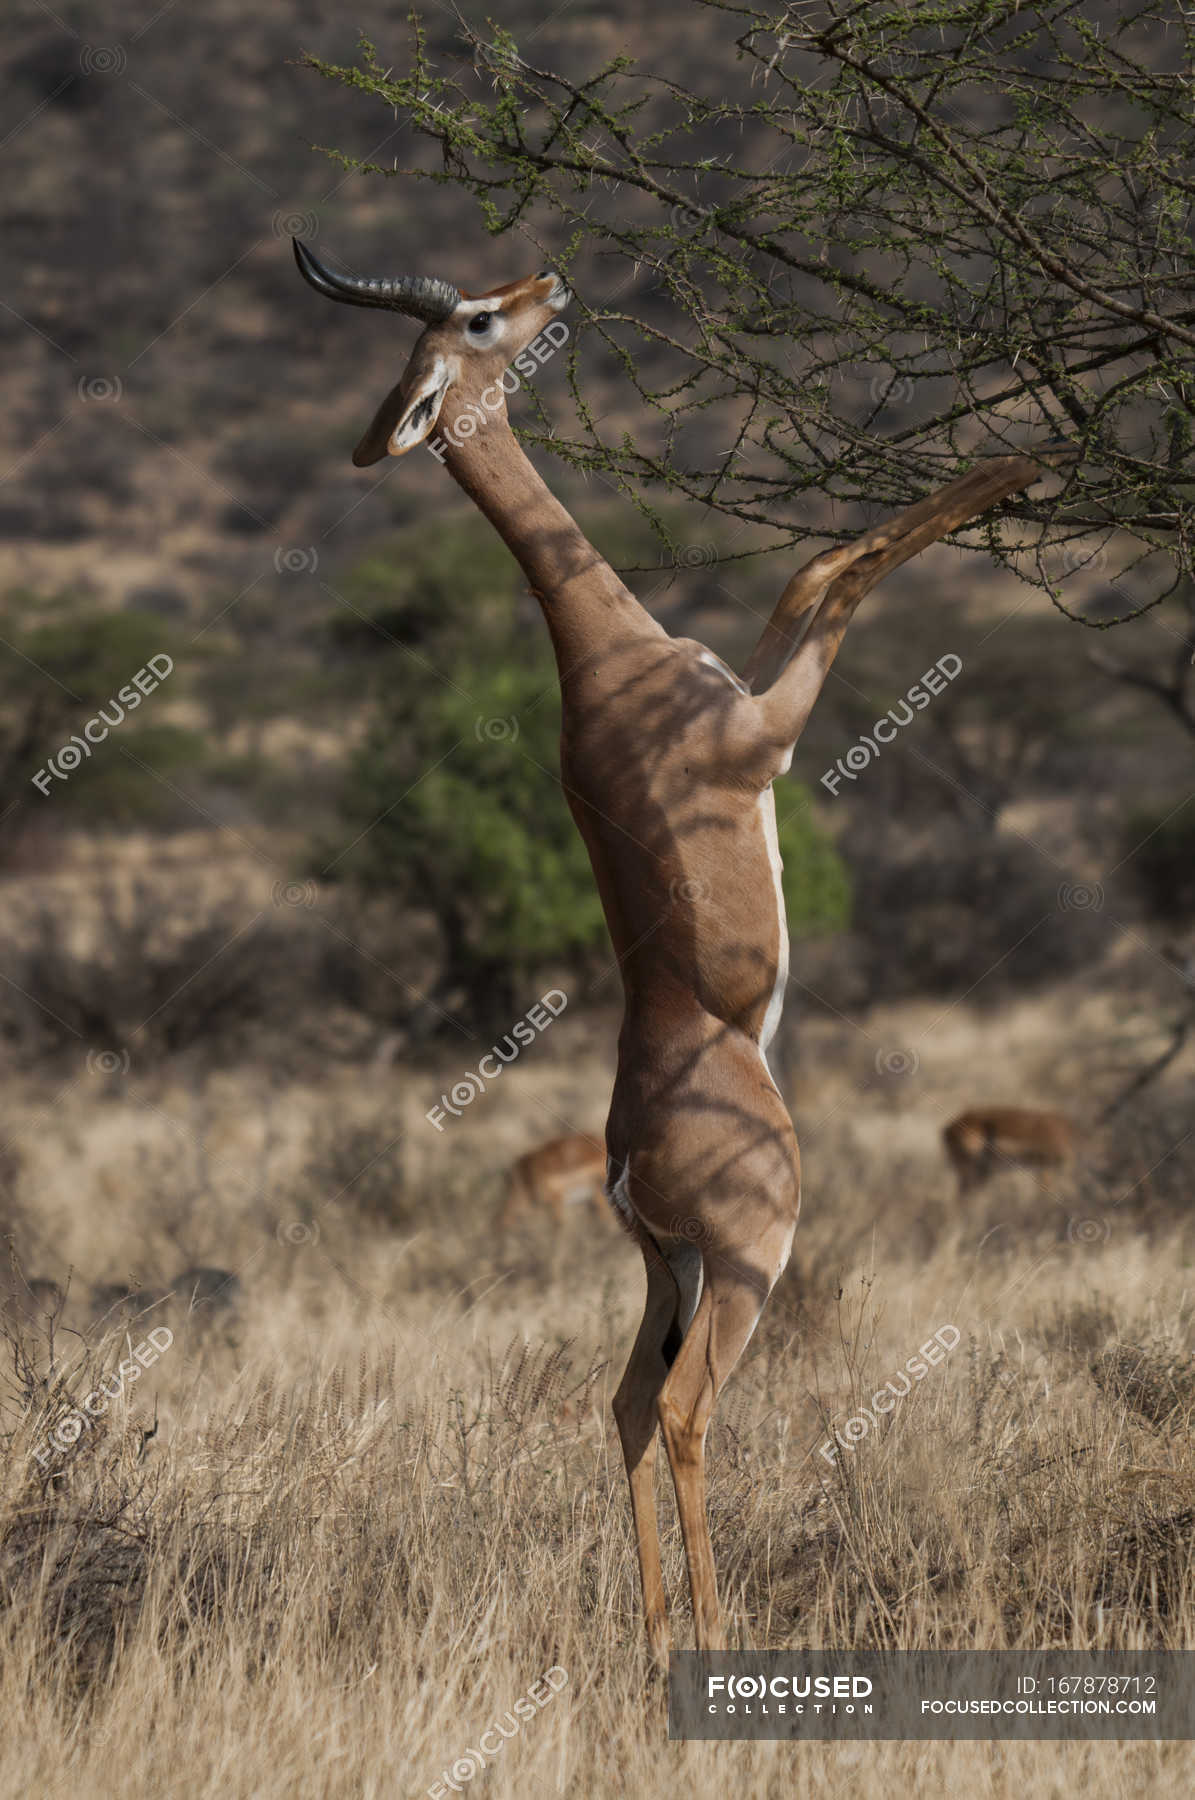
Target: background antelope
[[201, 1290], [985, 1140], [568, 1170]]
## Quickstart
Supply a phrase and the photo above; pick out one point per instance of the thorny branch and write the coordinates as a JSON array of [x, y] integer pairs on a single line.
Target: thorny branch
[[878, 243]]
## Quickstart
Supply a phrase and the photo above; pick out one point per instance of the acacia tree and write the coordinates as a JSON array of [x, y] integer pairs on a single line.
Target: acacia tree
[[863, 244]]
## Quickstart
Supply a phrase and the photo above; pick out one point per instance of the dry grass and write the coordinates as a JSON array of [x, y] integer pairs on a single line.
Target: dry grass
[[385, 1496]]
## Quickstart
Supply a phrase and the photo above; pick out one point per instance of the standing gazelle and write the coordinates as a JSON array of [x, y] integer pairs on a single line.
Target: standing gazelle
[[667, 761]]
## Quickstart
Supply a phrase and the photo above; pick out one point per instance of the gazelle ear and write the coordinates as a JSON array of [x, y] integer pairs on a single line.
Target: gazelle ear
[[406, 416]]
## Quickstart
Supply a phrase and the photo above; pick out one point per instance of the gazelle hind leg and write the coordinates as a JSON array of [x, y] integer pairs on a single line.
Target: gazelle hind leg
[[638, 1426], [731, 1301]]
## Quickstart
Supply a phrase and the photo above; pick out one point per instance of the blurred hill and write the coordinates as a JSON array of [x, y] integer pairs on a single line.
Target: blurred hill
[[175, 458], [179, 405]]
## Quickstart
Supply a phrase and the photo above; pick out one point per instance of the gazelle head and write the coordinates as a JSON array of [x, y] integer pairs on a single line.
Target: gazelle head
[[469, 342]]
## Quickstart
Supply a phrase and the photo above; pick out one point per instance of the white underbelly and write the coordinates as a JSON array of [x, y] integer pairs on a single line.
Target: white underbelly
[[767, 812]]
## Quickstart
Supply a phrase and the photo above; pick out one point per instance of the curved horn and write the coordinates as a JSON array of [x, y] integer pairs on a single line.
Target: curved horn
[[431, 301]]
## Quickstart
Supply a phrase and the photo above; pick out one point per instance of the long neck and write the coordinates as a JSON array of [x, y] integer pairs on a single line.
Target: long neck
[[586, 606]]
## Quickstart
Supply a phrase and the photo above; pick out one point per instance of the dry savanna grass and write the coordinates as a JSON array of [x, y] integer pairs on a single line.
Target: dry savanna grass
[[335, 1530]]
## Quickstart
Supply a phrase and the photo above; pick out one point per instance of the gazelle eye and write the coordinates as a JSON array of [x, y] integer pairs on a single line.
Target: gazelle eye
[[480, 322]]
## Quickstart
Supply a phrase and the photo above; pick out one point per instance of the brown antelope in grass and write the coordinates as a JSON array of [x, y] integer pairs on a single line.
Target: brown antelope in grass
[[567, 1170], [667, 760], [988, 1139], [207, 1290], [200, 1290], [113, 1303]]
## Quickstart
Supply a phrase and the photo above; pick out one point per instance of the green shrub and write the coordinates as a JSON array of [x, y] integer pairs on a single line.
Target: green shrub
[[816, 881], [127, 785], [456, 791], [63, 664], [427, 583]]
